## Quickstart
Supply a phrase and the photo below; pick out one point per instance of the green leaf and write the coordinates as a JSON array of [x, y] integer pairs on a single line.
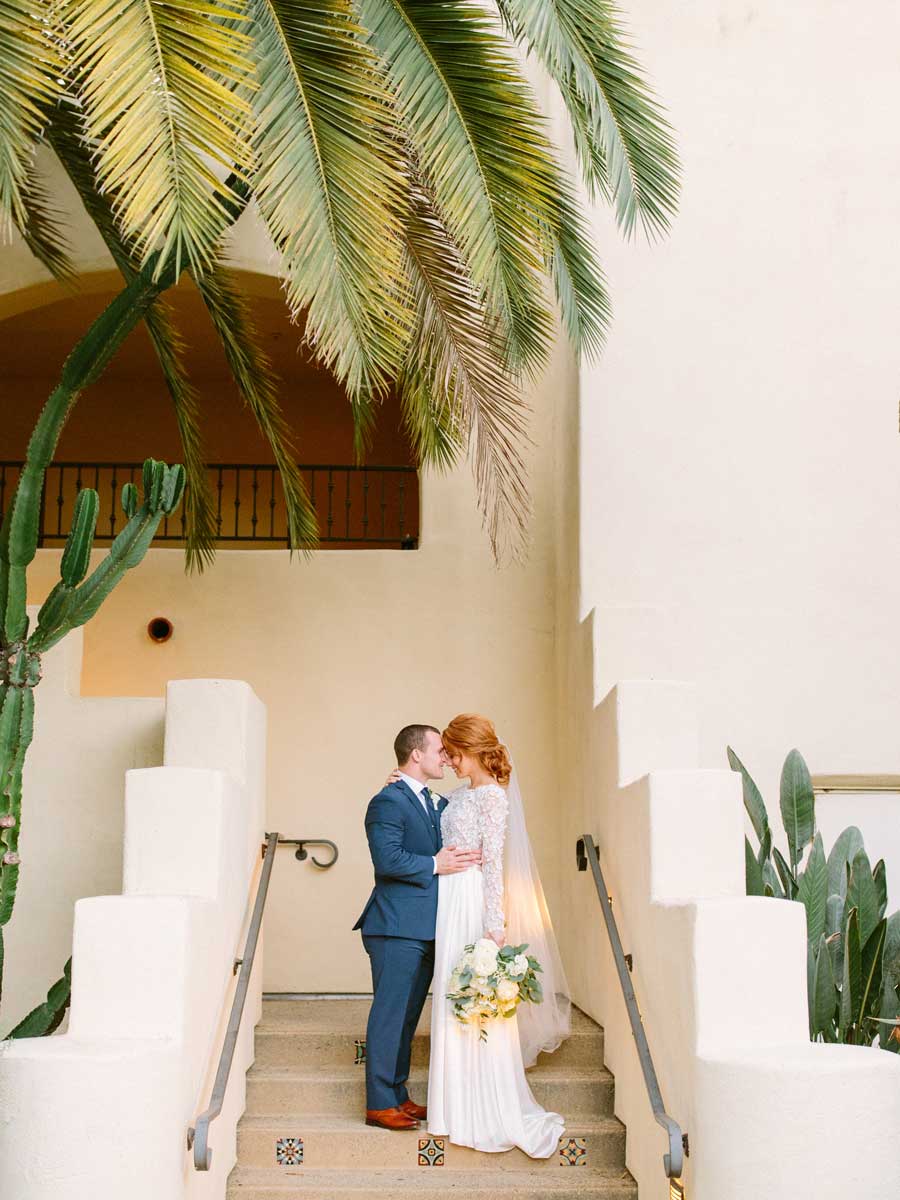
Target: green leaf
[[31, 69], [890, 983], [851, 988], [156, 146], [788, 882], [842, 852], [624, 142], [753, 801], [813, 892], [879, 878], [478, 137], [771, 882], [798, 806], [47, 1017], [824, 996], [330, 186], [870, 996], [765, 849], [862, 894], [753, 872]]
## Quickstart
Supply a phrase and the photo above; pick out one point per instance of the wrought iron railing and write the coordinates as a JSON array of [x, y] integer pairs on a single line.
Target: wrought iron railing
[[374, 506], [673, 1160]]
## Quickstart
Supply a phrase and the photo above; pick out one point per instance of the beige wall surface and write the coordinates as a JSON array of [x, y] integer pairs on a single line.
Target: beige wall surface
[[741, 466], [344, 649]]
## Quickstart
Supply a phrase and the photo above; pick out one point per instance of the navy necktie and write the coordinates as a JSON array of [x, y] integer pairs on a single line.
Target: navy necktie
[[432, 811]]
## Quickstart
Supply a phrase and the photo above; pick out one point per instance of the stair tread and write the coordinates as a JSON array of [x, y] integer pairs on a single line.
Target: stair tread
[[337, 1072], [344, 1123], [338, 1016], [323, 1180]]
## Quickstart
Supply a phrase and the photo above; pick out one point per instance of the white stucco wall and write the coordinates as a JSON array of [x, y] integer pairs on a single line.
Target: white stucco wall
[[107, 1104], [741, 467]]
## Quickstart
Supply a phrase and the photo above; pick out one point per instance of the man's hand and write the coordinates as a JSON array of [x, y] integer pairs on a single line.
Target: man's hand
[[450, 861]]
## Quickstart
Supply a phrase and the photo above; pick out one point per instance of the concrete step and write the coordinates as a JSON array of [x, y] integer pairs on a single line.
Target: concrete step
[[346, 1142], [312, 1033], [285, 1091], [385, 1183]]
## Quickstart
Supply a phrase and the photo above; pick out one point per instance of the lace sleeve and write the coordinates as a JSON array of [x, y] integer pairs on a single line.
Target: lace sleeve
[[492, 807]]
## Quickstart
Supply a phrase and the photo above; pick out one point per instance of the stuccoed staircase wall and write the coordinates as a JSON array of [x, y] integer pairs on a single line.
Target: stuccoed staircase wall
[[102, 1112], [720, 977]]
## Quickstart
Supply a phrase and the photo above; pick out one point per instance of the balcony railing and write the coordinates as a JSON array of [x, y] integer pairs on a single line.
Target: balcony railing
[[356, 506]]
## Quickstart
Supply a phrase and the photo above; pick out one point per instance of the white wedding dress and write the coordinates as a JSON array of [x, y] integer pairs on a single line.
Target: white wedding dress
[[478, 1095]]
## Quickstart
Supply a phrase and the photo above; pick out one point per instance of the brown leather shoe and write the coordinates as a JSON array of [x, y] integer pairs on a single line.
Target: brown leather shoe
[[390, 1118], [419, 1111]]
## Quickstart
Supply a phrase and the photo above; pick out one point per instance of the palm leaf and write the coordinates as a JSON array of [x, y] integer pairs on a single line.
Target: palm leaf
[[43, 230], [479, 143], [254, 377], [199, 507], [164, 86], [329, 186], [577, 278], [623, 139], [30, 67], [455, 378]]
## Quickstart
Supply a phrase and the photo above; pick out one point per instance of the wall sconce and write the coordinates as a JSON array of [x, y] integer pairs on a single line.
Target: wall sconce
[[160, 629], [676, 1189]]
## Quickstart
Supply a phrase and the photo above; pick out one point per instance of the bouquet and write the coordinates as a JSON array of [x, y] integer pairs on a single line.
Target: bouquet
[[488, 982]]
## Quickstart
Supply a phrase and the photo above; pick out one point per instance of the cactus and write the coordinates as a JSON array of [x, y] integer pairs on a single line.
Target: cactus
[[853, 950], [74, 600]]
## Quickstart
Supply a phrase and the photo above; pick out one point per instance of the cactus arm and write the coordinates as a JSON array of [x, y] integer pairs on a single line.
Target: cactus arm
[[16, 731], [19, 536], [47, 1017], [69, 606]]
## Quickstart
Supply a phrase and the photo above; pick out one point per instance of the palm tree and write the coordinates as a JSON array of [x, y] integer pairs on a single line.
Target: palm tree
[[401, 164]]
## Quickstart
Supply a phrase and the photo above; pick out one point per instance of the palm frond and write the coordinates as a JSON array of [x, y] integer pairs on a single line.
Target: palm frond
[[455, 388], [199, 507], [43, 230], [329, 186], [254, 377], [164, 87], [577, 277], [478, 139], [30, 67], [625, 144]]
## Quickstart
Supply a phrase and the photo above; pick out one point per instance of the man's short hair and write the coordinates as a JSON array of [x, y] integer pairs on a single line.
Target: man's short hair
[[411, 737]]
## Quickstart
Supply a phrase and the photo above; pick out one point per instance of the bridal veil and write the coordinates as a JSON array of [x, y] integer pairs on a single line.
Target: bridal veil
[[541, 1026]]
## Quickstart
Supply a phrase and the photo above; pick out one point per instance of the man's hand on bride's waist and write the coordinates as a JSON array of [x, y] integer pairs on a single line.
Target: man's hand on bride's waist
[[451, 861]]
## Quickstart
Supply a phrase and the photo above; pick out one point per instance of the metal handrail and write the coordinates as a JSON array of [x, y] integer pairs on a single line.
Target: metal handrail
[[856, 783], [301, 853], [198, 1134], [673, 1161]]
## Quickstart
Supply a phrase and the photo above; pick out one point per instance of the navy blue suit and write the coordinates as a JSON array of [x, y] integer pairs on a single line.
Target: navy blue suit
[[397, 927]]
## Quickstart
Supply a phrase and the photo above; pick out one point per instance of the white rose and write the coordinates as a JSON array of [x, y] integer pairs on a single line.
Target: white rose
[[519, 965], [485, 962], [507, 989]]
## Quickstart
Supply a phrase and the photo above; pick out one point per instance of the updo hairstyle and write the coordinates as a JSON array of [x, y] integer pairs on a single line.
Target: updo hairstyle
[[475, 736]]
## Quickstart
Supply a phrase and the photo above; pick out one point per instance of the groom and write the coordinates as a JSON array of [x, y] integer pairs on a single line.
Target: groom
[[404, 831]]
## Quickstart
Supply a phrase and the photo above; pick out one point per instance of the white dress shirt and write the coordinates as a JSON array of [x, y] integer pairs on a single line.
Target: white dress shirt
[[418, 788]]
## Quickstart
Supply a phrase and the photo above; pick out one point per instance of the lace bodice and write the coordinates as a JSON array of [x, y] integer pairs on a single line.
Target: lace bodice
[[476, 817]]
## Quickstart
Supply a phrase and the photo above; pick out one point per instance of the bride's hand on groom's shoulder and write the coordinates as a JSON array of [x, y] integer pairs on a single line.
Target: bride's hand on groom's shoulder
[[393, 777]]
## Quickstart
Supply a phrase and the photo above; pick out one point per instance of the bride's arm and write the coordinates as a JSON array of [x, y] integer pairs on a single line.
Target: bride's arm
[[493, 806]]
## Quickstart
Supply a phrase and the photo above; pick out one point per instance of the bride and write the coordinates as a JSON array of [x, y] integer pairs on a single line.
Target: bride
[[478, 1094]]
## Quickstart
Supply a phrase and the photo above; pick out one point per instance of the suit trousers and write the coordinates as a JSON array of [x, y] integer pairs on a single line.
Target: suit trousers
[[401, 973]]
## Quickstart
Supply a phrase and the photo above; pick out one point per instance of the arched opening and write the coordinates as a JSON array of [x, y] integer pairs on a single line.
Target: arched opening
[[128, 415]]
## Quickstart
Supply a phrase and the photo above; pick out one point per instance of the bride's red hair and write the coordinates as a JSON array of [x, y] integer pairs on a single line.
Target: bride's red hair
[[476, 737]]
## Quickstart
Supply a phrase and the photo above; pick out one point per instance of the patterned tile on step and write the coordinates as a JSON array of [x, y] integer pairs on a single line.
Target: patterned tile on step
[[573, 1152], [431, 1152], [289, 1151], [360, 1048]]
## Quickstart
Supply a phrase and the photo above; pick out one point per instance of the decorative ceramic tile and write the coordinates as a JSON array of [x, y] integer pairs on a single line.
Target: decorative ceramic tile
[[289, 1151], [360, 1047], [431, 1152], [573, 1152]]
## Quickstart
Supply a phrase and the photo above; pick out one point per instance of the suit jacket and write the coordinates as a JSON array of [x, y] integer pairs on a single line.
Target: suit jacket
[[403, 843]]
